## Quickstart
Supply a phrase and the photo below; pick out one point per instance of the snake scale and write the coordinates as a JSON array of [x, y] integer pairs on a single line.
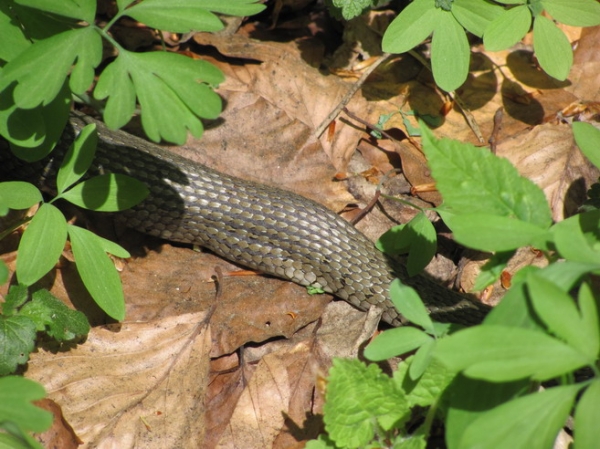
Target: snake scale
[[264, 228]]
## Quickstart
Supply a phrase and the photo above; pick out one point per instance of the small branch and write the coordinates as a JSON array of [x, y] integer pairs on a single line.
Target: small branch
[[333, 114]]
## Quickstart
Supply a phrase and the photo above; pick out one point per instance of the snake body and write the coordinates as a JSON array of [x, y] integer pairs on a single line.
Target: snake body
[[264, 228]]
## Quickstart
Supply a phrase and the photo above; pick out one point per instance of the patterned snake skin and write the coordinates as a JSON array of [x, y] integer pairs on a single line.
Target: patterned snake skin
[[264, 228]]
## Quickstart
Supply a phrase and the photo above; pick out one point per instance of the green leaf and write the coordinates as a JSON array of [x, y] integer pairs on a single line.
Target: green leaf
[[19, 195], [359, 400], [474, 181], [423, 358], [417, 237], [579, 13], [488, 232], [409, 304], [16, 297], [560, 314], [110, 192], [475, 15], [78, 159], [52, 315], [395, 342], [450, 52], [113, 248], [590, 323], [412, 26], [353, 8], [492, 270], [576, 238], [232, 7], [552, 48], [97, 272], [423, 244], [587, 417], [75, 9], [33, 133], [531, 421], [502, 353], [587, 138], [507, 29], [12, 37], [77, 50], [173, 92], [17, 336], [178, 16], [16, 394], [428, 388], [41, 245], [470, 398]]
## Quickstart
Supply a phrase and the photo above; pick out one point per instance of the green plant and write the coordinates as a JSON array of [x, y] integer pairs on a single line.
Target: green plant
[[50, 53], [484, 382], [18, 415], [501, 23]]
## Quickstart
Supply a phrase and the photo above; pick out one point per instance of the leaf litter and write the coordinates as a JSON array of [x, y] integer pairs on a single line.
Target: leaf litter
[[171, 375]]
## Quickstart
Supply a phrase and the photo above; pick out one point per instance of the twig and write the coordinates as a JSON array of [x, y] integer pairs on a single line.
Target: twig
[[357, 85]]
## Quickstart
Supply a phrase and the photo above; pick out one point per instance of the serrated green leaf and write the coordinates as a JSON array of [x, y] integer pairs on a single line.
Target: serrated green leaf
[[475, 15], [359, 399], [56, 55], [171, 89], [111, 192], [474, 181], [19, 195], [395, 342], [78, 158], [16, 395], [507, 29], [16, 297], [579, 13], [412, 26], [576, 237], [587, 416], [409, 304], [487, 232], [52, 315], [41, 245], [351, 9], [560, 314], [450, 52], [587, 138], [502, 353], [116, 83], [428, 388], [97, 272], [75, 9], [17, 336], [552, 48], [512, 2], [531, 421]]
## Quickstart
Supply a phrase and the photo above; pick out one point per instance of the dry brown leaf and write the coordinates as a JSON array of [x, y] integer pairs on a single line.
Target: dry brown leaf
[[132, 385], [548, 156]]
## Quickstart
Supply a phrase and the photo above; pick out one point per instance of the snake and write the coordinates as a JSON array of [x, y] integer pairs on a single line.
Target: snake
[[264, 228]]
